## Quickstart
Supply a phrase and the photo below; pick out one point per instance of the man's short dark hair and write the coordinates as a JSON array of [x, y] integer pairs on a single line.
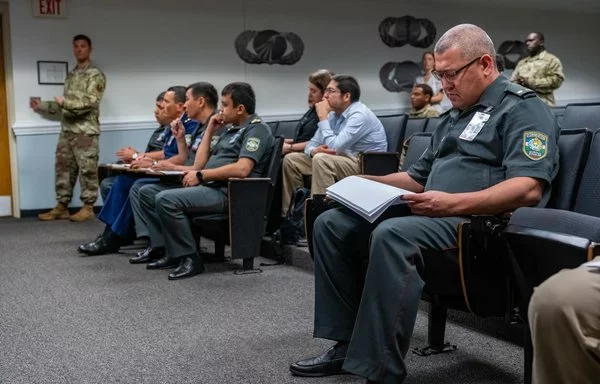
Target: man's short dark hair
[[540, 35], [179, 91], [83, 37], [426, 89], [241, 94], [348, 84], [206, 90], [161, 96]]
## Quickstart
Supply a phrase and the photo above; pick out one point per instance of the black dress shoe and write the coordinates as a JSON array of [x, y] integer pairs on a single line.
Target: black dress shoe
[[101, 246], [190, 266], [148, 255], [328, 363], [164, 262]]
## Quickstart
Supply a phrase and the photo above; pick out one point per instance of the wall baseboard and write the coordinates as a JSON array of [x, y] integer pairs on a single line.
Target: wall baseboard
[[35, 212]]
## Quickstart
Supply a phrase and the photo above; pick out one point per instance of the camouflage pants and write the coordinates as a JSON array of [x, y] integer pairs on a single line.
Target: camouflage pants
[[77, 155]]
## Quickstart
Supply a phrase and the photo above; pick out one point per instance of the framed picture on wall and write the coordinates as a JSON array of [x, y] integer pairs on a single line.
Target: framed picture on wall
[[52, 72]]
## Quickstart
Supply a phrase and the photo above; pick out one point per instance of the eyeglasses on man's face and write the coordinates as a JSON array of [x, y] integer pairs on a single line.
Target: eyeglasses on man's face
[[331, 90], [452, 75]]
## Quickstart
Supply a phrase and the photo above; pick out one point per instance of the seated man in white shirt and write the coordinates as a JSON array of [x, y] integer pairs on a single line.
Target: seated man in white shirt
[[346, 127]]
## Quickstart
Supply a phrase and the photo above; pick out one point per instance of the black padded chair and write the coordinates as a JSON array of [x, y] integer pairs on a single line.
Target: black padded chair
[[432, 124], [273, 125], [288, 129], [243, 226], [581, 115], [414, 126], [383, 163], [543, 241], [417, 145]]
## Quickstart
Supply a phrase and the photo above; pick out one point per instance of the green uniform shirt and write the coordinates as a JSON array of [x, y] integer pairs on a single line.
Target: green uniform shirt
[[426, 111], [252, 140], [543, 73], [83, 92], [520, 139]]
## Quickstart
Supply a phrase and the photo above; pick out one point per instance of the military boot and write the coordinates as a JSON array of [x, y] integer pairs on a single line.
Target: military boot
[[85, 213], [60, 212]]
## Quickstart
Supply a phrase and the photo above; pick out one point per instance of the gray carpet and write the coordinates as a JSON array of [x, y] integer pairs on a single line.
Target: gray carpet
[[70, 319]]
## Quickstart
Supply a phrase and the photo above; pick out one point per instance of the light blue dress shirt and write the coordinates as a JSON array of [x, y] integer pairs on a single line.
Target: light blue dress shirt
[[355, 130]]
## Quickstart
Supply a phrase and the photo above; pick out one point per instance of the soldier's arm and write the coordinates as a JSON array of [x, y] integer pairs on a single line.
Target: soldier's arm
[[83, 102], [552, 79], [50, 109], [515, 75]]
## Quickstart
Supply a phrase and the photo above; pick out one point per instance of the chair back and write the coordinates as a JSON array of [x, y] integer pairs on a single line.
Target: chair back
[[418, 144], [588, 194], [273, 125], [394, 131], [287, 129], [432, 124], [583, 115], [573, 146], [414, 126]]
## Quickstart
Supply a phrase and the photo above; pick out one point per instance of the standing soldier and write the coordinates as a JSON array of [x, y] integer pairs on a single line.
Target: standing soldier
[[78, 142], [541, 72]]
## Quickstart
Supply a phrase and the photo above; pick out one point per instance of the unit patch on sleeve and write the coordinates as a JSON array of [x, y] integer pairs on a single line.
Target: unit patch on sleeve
[[535, 145], [252, 144]]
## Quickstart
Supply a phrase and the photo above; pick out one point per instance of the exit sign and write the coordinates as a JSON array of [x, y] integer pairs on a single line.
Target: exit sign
[[49, 8]]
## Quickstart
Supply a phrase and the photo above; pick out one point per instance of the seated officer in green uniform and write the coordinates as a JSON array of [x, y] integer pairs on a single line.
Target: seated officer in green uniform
[[494, 151], [243, 150]]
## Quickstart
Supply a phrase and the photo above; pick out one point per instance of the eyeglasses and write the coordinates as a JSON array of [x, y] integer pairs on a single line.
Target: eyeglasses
[[331, 90], [452, 75]]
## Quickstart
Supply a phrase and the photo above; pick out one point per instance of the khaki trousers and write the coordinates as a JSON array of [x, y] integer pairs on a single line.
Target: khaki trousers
[[325, 169], [564, 315]]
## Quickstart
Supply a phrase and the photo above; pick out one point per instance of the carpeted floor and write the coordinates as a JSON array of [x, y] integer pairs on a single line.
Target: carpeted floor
[[70, 319]]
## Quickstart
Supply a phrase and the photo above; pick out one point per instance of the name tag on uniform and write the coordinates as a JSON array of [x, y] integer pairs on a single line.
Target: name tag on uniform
[[475, 126], [170, 140]]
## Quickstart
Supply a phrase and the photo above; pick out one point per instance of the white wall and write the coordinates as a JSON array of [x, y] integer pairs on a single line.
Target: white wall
[[143, 46]]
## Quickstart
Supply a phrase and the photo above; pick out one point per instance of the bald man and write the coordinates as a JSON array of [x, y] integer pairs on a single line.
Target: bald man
[[495, 151]]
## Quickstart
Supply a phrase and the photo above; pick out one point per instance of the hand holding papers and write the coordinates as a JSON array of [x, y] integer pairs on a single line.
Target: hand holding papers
[[366, 197]]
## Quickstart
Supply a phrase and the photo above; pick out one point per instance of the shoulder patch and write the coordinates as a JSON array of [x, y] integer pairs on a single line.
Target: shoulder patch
[[519, 90], [535, 145], [252, 144]]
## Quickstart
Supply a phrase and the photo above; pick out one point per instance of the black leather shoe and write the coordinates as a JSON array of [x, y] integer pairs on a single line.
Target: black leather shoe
[[101, 246], [190, 266], [148, 255], [328, 363], [165, 263]]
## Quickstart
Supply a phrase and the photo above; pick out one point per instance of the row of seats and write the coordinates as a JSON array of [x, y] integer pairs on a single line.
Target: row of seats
[[578, 115]]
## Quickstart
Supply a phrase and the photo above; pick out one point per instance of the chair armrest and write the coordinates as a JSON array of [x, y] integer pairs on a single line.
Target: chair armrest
[[556, 221], [249, 180], [379, 163]]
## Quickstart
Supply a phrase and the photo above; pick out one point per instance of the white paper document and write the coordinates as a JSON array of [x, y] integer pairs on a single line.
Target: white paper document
[[167, 172], [593, 264], [366, 197]]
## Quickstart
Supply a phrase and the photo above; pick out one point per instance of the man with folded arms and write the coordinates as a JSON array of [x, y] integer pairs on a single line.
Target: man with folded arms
[[495, 151]]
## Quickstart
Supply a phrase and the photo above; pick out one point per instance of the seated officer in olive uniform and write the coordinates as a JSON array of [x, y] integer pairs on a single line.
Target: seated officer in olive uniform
[[494, 151], [241, 151], [155, 144], [116, 212]]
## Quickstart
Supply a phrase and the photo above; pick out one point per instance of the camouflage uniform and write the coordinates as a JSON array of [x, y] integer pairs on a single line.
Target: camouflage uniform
[[543, 74], [423, 113], [78, 142]]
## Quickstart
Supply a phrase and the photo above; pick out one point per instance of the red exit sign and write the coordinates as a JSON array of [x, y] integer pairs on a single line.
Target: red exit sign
[[49, 8]]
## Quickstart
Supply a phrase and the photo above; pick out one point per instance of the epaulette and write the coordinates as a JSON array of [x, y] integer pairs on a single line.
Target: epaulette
[[257, 120], [519, 90]]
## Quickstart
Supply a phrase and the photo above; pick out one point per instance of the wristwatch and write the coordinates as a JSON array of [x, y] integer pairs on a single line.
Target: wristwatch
[[154, 162], [200, 177], [134, 156]]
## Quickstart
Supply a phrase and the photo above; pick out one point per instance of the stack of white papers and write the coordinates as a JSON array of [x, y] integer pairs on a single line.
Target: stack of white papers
[[167, 172], [366, 197]]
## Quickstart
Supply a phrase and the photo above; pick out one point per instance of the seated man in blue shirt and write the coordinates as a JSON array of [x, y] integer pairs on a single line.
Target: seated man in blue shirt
[[346, 128], [117, 213]]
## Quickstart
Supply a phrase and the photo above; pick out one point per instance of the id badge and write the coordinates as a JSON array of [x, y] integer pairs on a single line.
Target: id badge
[[475, 126]]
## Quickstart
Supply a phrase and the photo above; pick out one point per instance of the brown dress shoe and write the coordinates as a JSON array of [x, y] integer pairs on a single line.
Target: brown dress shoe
[[85, 213], [60, 212]]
